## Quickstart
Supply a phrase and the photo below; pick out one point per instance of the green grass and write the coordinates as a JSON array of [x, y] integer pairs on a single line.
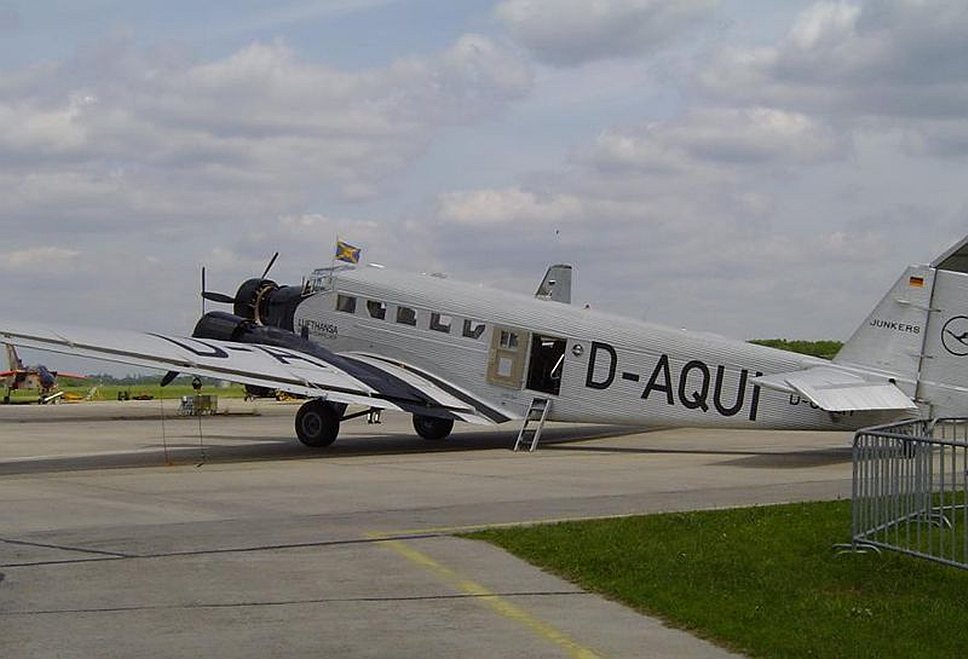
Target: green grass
[[763, 581], [825, 349], [110, 391]]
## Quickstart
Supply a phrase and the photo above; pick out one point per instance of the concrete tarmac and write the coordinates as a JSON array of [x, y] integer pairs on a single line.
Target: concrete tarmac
[[128, 531]]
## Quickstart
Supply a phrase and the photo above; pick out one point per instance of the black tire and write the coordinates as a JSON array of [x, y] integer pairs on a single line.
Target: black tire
[[431, 427], [317, 424]]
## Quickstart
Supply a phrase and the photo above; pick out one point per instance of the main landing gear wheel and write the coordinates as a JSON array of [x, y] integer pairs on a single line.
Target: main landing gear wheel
[[317, 424], [431, 427]]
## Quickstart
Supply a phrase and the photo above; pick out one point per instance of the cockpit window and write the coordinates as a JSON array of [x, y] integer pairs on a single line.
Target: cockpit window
[[376, 309], [473, 329], [346, 303], [406, 316], [440, 323]]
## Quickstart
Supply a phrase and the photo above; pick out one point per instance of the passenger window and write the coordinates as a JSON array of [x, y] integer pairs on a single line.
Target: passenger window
[[473, 329], [346, 303], [440, 322], [509, 340], [377, 309], [406, 316]]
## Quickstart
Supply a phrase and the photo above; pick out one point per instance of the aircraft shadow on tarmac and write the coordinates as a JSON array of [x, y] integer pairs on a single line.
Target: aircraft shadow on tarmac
[[215, 448], [212, 449], [769, 459]]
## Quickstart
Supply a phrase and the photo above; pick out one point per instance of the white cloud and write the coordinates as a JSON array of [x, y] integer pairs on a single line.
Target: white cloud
[[509, 206], [896, 61], [718, 137], [139, 138], [37, 259], [572, 32]]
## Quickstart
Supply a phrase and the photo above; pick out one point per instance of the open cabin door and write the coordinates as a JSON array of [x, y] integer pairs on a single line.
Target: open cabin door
[[546, 363], [507, 357]]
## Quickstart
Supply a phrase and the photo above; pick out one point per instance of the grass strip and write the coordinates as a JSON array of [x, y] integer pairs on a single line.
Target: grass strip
[[110, 391], [764, 581]]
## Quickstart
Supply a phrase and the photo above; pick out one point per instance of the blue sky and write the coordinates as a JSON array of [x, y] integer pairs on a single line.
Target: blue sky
[[749, 168]]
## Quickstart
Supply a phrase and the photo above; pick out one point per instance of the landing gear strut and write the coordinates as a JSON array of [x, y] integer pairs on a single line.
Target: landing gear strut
[[430, 427], [317, 423]]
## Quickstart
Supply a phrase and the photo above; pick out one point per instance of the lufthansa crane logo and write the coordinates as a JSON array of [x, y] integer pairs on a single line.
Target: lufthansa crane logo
[[954, 336]]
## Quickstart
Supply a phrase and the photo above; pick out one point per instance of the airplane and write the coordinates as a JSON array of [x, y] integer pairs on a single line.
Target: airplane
[[446, 351], [34, 377]]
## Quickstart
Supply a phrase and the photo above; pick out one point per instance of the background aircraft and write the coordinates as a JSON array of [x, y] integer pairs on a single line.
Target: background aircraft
[[37, 377], [446, 351]]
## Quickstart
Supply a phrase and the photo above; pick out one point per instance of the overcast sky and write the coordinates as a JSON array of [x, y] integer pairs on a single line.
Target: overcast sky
[[752, 168]]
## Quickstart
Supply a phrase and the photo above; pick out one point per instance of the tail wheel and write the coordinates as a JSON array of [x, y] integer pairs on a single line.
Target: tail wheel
[[317, 424], [430, 427]]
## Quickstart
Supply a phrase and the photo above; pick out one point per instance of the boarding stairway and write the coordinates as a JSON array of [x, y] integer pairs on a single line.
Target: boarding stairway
[[537, 411]]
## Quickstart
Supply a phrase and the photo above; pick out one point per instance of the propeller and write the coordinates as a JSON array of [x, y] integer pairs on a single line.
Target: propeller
[[217, 297], [228, 299], [212, 295], [272, 262]]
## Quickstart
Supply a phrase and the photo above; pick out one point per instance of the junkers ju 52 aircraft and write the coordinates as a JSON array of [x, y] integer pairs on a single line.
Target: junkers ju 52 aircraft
[[444, 351]]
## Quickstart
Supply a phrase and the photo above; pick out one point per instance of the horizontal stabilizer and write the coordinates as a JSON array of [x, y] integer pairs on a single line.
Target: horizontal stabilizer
[[834, 390]]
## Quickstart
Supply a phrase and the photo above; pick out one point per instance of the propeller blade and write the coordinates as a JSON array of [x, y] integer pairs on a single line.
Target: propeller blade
[[169, 376], [269, 267], [218, 297], [203, 290]]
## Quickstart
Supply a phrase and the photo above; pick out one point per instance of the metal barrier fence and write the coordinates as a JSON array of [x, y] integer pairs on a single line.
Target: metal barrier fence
[[909, 486]]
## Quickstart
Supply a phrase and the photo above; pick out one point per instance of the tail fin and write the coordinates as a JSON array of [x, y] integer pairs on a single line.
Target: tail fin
[[918, 334], [13, 361], [556, 284]]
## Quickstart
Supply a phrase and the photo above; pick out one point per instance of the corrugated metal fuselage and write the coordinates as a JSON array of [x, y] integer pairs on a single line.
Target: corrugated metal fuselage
[[596, 367]]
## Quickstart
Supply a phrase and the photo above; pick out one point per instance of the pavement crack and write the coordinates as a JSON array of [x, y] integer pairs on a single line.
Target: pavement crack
[[114, 556], [83, 550], [296, 602]]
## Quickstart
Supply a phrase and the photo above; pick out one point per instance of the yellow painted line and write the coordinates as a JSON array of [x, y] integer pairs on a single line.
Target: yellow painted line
[[497, 603]]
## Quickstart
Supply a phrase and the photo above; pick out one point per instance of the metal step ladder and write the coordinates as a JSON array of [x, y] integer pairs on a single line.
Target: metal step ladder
[[538, 411]]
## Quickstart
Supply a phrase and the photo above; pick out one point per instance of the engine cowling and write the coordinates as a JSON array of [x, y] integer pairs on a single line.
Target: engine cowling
[[225, 326], [264, 302], [252, 298]]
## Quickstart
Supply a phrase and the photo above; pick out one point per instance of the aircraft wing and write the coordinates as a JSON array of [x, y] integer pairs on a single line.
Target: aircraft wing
[[834, 390], [437, 388], [323, 375], [70, 376]]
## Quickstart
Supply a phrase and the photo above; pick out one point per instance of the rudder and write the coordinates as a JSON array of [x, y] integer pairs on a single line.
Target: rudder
[[918, 335], [13, 360]]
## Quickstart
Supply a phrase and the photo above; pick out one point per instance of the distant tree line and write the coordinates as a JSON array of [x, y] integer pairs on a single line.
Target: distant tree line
[[149, 379], [824, 349]]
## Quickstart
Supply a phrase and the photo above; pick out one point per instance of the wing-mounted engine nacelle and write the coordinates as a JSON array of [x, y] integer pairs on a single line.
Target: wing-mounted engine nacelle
[[230, 327], [223, 326]]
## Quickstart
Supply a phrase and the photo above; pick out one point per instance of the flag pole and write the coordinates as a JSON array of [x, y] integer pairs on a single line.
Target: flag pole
[[332, 261]]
